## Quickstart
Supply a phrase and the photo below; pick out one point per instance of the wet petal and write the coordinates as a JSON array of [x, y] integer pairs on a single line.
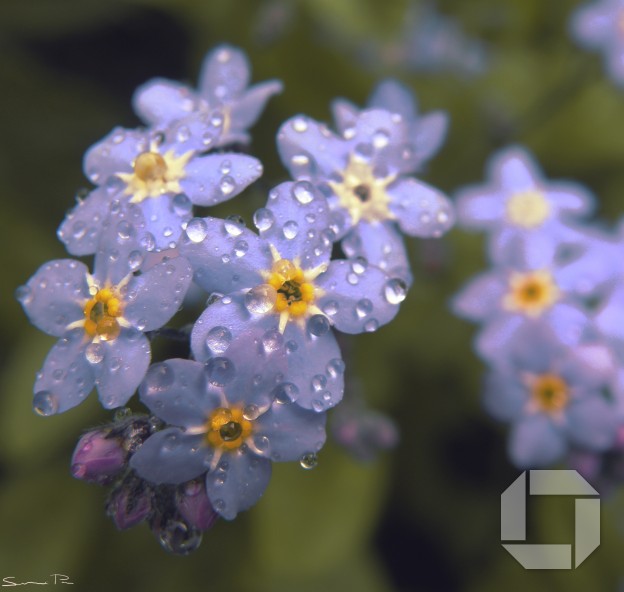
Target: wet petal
[[382, 245], [123, 368], [177, 392], [224, 74], [80, 231], [419, 209], [55, 296], [315, 369], [216, 178], [66, 377], [238, 483], [309, 150], [299, 230], [157, 294], [246, 110], [171, 456], [290, 431], [356, 298], [345, 113], [225, 255], [114, 154], [159, 102]]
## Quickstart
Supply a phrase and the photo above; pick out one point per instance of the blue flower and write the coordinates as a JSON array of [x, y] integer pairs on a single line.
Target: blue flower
[[508, 297], [223, 97], [600, 25], [555, 396], [284, 283], [161, 176], [362, 173], [525, 215], [100, 321], [227, 424]]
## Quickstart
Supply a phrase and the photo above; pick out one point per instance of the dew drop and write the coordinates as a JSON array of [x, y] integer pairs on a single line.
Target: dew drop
[[124, 230], [303, 192], [240, 248], [45, 403], [318, 325], [331, 308], [234, 225], [24, 295], [218, 339], [286, 392], [263, 219], [135, 259], [290, 229], [179, 538], [272, 341], [300, 125], [335, 367], [251, 412], [260, 299], [181, 204], [227, 185], [220, 371], [363, 308], [159, 378], [371, 325], [395, 291], [94, 353], [308, 460]]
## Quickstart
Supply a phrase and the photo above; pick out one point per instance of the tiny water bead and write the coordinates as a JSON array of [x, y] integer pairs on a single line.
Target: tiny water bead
[[102, 314], [45, 403], [308, 460], [228, 428], [395, 291], [218, 339], [549, 392], [220, 371], [528, 209], [531, 293]]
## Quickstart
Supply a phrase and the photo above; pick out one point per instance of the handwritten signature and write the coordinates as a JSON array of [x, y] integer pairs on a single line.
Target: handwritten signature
[[56, 579]]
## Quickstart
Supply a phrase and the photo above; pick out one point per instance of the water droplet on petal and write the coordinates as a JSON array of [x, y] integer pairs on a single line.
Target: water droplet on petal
[[395, 291], [179, 538], [124, 230], [159, 378], [290, 229], [220, 371], [263, 219], [308, 460], [335, 367], [218, 339], [300, 125], [94, 353], [363, 308], [272, 340], [135, 259], [24, 295], [331, 308], [285, 392], [181, 204], [318, 325], [371, 325], [45, 403], [303, 192], [251, 412], [227, 185], [234, 225], [260, 299]]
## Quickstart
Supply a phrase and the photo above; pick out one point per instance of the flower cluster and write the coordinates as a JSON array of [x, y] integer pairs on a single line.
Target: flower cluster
[[264, 365], [549, 310]]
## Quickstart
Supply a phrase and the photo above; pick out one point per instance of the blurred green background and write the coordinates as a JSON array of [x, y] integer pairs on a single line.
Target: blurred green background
[[424, 517]]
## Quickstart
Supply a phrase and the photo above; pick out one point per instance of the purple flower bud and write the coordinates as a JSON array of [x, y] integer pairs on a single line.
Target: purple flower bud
[[98, 457], [195, 507], [129, 505]]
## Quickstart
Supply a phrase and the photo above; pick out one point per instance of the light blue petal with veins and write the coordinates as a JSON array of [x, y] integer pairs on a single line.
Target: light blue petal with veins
[[125, 363], [55, 296], [238, 483], [67, 377], [171, 456]]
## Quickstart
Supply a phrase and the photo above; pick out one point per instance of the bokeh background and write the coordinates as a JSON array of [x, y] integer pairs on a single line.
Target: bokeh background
[[423, 517]]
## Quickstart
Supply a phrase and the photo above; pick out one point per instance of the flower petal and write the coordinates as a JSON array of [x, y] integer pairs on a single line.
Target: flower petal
[[291, 431], [419, 209], [356, 299], [55, 296], [159, 102], [177, 391], [215, 178], [171, 456], [66, 377], [478, 208], [535, 442], [514, 170], [382, 245], [300, 227], [158, 293], [395, 97], [238, 483], [481, 297], [246, 110], [225, 256], [224, 74], [123, 368], [592, 423]]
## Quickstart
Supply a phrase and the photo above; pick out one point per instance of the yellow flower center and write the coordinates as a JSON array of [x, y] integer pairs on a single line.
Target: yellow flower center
[[363, 194], [531, 293], [227, 428], [527, 209], [549, 392], [155, 174], [102, 314], [294, 294]]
